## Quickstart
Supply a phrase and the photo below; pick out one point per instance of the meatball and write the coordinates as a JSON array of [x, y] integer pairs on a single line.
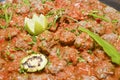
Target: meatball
[[66, 37], [17, 76], [9, 32], [111, 37], [48, 36], [84, 77], [41, 77], [104, 69], [46, 42], [23, 9], [22, 41], [70, 54], [67, 74], [83, 41], [56, 65]]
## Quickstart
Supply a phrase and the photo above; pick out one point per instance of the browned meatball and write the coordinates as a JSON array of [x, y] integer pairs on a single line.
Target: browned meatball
[[70, 54], [83, 41], [22, 41], [42, 76], [67, 74], [9, 32], [17, 76], [46, 41], [66, 37], [104, 69], [56, 65]]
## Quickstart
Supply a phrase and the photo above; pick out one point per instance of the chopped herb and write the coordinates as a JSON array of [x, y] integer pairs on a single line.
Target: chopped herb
[[12, 56], [41, 38], [43, 1], [115, 21], [22, 70], [97, 16], [8, 53], [9, 36], [83, 11], [55, 20], [49, 63], [108, 48], [50, 13], [33, 52], [58, 53], [18, 49], [26, 2], [67, 29], [72, 18], [34, 39], [31, 43], [80, 59], [69, 63], [6, 15], [2, 27], [2, 16], [89, 51], [77, 34], [73, 30], [58, 13], [95, 11], [118, 38], [49, 25]]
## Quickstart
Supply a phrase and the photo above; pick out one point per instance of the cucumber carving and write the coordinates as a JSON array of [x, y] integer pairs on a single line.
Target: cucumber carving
[[33, 63]]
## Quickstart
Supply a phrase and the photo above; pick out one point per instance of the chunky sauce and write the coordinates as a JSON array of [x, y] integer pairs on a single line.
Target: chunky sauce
[[72, 55]]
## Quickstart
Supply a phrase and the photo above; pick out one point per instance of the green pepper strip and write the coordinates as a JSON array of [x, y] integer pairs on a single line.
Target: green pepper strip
[[97, 16], [108, 48]]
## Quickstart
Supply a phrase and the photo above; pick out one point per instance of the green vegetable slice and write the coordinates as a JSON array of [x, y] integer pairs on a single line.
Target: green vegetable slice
[[33, 63], [108, 48]]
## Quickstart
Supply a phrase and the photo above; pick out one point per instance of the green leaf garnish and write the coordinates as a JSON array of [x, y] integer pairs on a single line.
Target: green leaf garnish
[[110, 50]]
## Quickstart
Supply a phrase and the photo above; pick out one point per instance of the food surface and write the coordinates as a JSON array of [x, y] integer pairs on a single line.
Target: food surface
[[59, 40]]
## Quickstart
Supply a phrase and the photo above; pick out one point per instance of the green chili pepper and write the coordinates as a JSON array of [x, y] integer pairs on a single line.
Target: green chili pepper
[[108, 48]]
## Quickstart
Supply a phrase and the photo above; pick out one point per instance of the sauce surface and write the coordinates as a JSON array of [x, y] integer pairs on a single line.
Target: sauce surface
[[72, 55]]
